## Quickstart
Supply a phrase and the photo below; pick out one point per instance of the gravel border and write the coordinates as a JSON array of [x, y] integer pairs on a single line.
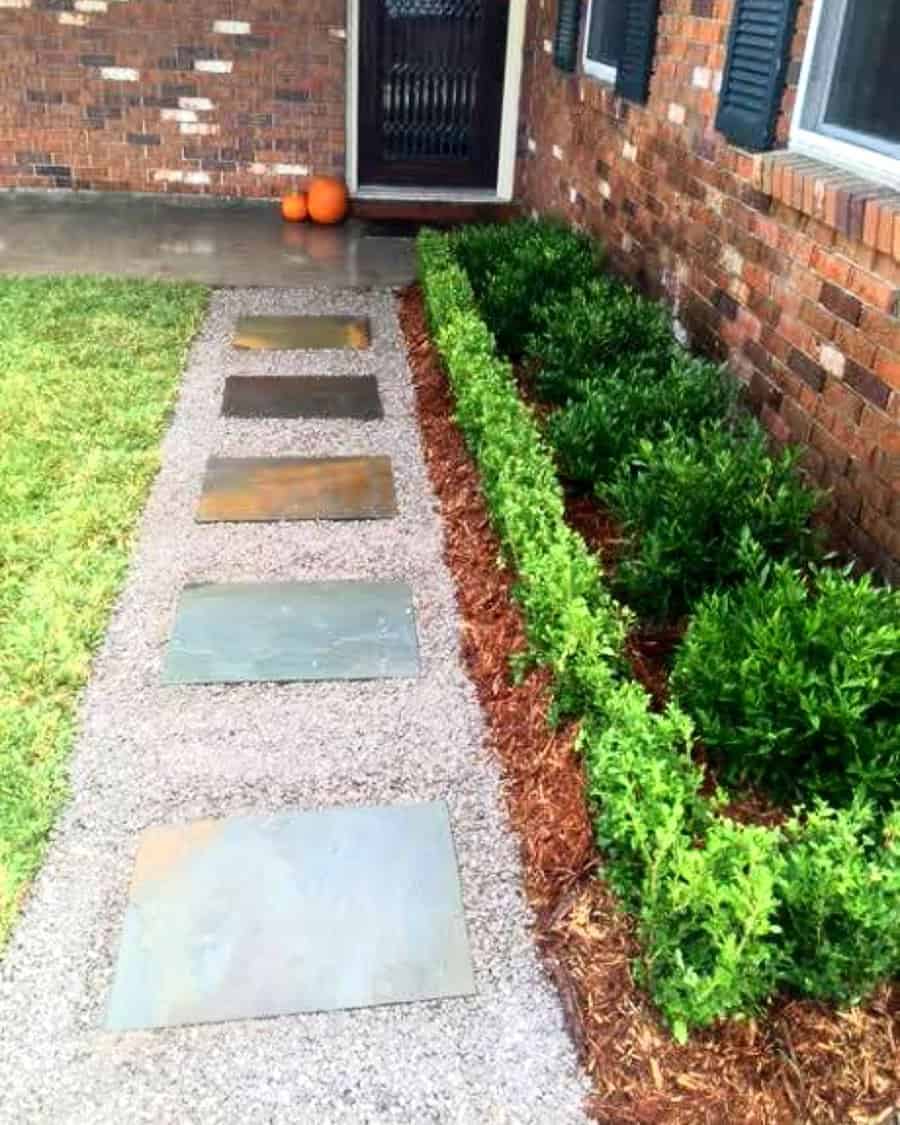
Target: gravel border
[[148, 754]]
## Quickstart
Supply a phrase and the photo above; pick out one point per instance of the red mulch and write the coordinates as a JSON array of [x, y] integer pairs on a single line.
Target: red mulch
[[801, 1063]]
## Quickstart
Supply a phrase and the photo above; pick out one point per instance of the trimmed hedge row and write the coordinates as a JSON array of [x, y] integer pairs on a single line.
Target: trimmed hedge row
[[727, 913], [574, 626]]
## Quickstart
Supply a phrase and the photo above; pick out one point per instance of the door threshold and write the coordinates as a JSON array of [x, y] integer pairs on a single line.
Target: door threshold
[[427, 194]]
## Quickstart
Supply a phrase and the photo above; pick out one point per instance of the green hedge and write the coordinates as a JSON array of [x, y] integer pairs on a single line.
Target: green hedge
[[727, 913], [573, 624]]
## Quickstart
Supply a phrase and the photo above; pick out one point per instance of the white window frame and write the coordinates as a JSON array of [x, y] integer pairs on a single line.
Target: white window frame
[[604, 72], [837, 146]]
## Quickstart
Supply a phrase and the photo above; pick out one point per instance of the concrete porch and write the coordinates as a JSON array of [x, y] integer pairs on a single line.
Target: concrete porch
[[214, 241]]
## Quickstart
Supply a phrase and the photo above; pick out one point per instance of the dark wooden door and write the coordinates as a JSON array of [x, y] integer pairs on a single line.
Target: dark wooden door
[[431, 91]]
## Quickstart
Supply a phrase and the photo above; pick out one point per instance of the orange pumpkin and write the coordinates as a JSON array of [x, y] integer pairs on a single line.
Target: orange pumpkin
[[327, 200], [293, 207]]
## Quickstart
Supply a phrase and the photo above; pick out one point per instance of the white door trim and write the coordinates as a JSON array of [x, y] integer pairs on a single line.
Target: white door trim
[[352, 97], [509, 117]]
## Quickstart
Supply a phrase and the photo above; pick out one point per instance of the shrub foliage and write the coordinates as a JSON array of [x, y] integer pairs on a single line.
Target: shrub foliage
[[727, 913], [794, 683], [604, 423], [515, 268], [690, 503], [591, 331]]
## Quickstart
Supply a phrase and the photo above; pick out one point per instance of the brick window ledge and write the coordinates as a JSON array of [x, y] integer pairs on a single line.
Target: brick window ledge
[[861, 210]]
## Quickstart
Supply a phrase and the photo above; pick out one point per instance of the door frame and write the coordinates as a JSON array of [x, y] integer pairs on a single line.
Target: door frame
[[509, 117]]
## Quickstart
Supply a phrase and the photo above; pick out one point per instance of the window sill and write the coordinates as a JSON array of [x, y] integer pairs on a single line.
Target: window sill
[[862, 210], [599, 72]]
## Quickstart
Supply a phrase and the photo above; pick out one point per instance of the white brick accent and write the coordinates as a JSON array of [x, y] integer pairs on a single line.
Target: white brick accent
[[213, 66], [73, 19], [627, 242], [290, 170], [573, 195], [629, 151], [231, 27], [91, 6], [168, 176], [196, 103], [532, 144], [676, 113], [548, 46], [259, 169], [557, 152], [196, 177], [337, 32], [15, 3], [702, 77], [732, 260], [717, 81], [177, 115], [605, 189], [832, 360], [198, 130], [119, 73]]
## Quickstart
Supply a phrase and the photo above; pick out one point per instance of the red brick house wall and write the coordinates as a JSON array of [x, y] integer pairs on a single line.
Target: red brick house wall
[[763, 260], [158, 95]]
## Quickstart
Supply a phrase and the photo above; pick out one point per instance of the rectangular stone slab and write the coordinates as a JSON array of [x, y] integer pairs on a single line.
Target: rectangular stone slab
[[302, 396], [292, 333], [296, 488], [247, 632], [295, 912]]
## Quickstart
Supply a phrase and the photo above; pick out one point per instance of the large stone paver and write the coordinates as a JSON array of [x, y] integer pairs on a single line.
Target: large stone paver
[[150, 754], [311, 911]]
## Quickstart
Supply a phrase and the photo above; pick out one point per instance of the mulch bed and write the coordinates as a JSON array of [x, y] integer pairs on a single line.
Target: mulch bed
[[803, 1061]]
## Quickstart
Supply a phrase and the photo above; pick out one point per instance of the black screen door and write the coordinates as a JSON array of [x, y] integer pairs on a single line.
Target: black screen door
[[431, 91]]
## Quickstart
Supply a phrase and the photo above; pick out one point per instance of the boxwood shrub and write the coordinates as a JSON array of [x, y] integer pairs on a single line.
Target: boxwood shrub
[[606, 419], [794, 683], [727, 913], [839, 892], [595, 330], [515, 268], [689, 503], [573, 624]]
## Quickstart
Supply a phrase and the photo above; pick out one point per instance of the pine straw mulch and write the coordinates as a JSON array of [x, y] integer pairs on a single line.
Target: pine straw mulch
[[801, 1063]]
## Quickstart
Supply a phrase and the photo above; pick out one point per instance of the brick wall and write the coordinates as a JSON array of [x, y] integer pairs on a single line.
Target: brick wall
[[162, 95], [777, 264]]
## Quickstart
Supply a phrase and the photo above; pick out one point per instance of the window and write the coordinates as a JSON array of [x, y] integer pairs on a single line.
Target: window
[[603, 38], [848, 108]]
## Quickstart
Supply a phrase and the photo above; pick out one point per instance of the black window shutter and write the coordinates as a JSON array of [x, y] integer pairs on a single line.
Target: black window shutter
[[565, 47], [639, 43], [753, 81]]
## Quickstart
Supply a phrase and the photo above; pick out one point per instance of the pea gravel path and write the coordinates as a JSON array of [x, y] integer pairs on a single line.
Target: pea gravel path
[[148, 754]]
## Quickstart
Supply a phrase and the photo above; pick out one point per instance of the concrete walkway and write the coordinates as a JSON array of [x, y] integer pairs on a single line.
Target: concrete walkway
[[149, 754], [214, 241]]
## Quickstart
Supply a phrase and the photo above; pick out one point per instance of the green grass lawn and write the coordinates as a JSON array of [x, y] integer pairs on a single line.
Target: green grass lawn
[[89, 370]]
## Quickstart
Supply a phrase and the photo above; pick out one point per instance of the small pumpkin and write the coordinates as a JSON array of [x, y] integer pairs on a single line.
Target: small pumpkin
[[327, 200], [294, 207]]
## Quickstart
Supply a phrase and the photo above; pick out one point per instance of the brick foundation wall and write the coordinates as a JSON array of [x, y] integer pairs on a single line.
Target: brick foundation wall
[[161, 95], [770, 262]]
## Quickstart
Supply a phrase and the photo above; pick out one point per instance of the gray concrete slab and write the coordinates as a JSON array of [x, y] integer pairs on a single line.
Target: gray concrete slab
[[214, 241]]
